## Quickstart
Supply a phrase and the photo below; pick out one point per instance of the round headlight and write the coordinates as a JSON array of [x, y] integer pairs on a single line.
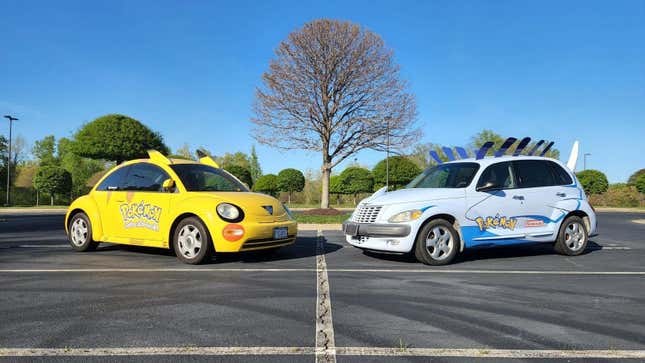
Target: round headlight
[[229, 212]]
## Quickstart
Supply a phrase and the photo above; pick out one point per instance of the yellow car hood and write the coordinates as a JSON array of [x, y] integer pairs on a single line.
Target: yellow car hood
[[256, 206]]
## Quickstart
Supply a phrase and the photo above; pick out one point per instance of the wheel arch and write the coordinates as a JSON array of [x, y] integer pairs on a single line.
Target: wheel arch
[[581, 214], [181, 217], [86, 205], [447, 217]]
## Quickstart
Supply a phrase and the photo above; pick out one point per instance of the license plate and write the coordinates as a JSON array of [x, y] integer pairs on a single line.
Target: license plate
[[280, 233], [351, 229]]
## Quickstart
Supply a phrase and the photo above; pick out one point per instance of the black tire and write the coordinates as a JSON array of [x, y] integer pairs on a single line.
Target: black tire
[[189, 231], [572, 240], [80, 233], [426, 254]]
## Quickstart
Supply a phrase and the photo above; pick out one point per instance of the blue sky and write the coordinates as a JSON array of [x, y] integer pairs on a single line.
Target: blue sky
[[547, 69]]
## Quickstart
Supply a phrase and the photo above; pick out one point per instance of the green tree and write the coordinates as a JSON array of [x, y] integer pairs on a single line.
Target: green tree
[[336, 187], [593, 181], [291, 180], [355, 180], [402, 171], [45, 151], [640, 183], [267, 184], [79, 167], [254, 167], [183, 153], [633, 177], [53, 180], [118, 138], [238, 158], [241, 173]]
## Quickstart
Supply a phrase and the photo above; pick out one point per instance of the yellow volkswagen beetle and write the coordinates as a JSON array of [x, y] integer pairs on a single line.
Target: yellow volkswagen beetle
[[195, 208]]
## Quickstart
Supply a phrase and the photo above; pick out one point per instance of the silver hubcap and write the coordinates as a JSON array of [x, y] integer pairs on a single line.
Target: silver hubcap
[[574, 236], [190, 241], [78, 232], [439, 243]]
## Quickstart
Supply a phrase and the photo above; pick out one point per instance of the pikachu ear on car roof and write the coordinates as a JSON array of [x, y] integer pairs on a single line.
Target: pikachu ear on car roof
[[205, 159], [155, 155]]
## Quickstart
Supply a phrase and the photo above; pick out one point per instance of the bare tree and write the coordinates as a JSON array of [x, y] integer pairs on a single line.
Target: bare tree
[[333, 88]]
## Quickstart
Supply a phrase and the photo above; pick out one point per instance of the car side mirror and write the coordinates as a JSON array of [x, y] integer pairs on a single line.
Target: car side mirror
[[488, 186], [168, 185]]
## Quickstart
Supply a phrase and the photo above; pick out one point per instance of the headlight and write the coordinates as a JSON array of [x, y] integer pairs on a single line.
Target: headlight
[[229, 212], [407, 216]]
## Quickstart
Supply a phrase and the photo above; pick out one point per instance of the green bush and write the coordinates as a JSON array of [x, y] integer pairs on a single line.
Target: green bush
[[593, 181], [619, 195], [633, 177], [267, 184], [639, 183], [241, 173], [402, 171]]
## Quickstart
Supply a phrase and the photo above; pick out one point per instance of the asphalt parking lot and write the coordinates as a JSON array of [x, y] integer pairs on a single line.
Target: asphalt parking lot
[[319, 299]]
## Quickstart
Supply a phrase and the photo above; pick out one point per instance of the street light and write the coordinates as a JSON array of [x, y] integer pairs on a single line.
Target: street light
[[387, 158], [584, 160], [11, 120]]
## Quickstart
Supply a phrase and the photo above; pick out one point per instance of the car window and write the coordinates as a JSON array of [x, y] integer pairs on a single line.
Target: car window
[[145, 177], [533, 173], [114, 181], [499, 174], [204, 178], [561, 176], [453, 175]]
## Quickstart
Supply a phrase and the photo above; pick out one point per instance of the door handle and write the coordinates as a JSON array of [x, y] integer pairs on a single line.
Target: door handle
[[561, 194], [518, 197]]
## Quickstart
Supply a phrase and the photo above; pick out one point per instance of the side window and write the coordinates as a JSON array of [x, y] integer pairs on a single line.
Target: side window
[[533, 173], [114, 181], [561, 176], [499, 174], [145, 177]]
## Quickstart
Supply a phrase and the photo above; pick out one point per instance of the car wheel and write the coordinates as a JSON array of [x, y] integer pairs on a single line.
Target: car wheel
[[192, 242], [572, 238], [80, 233], [437, 243]]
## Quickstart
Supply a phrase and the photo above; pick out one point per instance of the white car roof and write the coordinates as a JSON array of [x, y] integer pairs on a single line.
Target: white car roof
[[492, 160]]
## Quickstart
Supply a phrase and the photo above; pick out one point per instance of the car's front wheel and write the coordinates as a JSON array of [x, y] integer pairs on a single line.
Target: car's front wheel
[[192, 242], [437, 243], [80, 233], [572, 238]]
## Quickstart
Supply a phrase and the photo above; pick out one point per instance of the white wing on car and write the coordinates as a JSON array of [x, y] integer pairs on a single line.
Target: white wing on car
[[573, 157]]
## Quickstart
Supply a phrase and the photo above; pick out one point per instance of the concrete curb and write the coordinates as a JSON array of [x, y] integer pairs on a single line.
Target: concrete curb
[[26, 211], [619, 210]]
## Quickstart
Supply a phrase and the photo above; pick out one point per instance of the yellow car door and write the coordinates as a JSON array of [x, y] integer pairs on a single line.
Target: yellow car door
[[106, 196], [142, 210]]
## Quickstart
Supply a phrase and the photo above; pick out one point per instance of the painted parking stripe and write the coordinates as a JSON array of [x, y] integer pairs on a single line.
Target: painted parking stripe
[[325, 342], [343, 351], [350, 270]]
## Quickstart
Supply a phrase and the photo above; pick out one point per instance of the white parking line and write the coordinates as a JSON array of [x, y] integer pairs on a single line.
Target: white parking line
[[325, 342], [43, 246], [343, 351]]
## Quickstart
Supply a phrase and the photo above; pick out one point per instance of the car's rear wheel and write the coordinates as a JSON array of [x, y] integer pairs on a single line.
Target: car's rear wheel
[[192, 242], [437, 243], [80, 233], [572, 238]]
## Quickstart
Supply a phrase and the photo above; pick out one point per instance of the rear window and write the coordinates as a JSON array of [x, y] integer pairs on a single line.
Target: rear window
[[533, 173], [562, 177]]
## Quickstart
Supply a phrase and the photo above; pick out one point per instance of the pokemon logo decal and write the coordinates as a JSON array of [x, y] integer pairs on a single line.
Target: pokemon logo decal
[[140, 214], [504, 222]]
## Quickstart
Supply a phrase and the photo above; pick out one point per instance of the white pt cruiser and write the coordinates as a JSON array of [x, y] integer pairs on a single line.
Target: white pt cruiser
[[477, 202]]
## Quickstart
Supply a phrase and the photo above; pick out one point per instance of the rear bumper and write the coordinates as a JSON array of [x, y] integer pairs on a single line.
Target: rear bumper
[[375, 230]]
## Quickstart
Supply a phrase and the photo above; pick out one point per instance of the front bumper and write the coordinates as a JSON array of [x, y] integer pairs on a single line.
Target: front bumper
[[257, 236], [375, 230]]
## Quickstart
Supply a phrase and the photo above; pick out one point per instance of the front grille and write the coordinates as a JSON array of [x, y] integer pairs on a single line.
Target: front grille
[[267, 243], [367, 214]]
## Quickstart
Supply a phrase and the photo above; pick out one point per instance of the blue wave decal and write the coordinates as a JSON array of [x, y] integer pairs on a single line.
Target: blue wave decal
[[426, 208], [543, 218]]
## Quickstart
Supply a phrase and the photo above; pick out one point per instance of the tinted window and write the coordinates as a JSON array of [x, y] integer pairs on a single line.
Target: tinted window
[[146, 177], [204, 178], [533, 173], [561, 176], [454, 175], [114, 181], [499, 174]]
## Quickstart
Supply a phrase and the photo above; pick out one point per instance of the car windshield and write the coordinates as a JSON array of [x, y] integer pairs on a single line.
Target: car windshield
[[453, 175], [204, 178]]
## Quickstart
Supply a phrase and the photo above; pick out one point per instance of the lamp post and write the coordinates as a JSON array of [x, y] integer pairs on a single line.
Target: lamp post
[[387, 153], [11, 120], [584, 160]]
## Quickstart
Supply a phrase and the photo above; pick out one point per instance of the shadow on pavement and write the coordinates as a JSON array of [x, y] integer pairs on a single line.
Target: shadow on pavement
[[303, 247]]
